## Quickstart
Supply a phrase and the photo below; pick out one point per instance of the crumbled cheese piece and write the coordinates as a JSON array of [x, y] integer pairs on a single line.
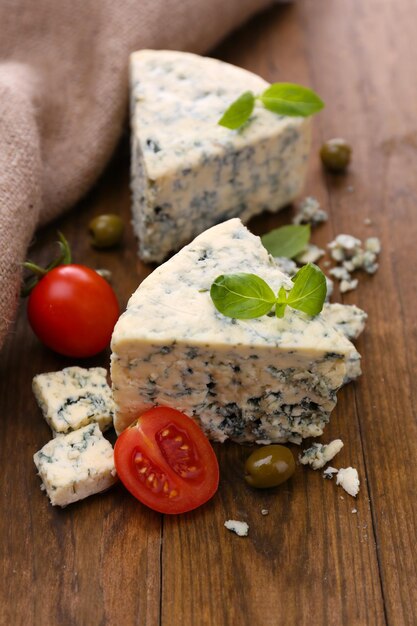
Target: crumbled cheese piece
[[76, 465], [311, 254], [187, 171], [347, 477], [319, 454], [329, 471], [350, 252], [330, 288], [348, 285], [310, 212], [74, 397], [373, 244], [240, 528], [340, 273], [106, 274], [287, 266], [257, 380], [265, 512], [344, 247], [354, 510], [367, 221]]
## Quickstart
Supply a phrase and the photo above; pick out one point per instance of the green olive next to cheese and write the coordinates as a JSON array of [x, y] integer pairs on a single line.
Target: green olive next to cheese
[[106, 230], [269, 466], [335, 155]]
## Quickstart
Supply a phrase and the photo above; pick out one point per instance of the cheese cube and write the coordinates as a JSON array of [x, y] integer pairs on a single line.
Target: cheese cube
[[74, 397], [76, 465]]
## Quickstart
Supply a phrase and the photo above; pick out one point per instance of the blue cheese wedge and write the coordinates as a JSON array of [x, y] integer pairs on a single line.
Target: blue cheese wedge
[[264, 380], [188, 172], [74, 397], [76, 465], [319, 453]]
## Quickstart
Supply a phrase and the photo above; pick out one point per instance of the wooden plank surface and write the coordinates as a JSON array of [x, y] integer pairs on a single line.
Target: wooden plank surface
[[108, 560]]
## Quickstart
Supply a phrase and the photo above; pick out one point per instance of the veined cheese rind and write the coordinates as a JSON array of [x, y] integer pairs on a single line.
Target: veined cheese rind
[[76, 465], [74, 397], [188, 172], [265, 379]]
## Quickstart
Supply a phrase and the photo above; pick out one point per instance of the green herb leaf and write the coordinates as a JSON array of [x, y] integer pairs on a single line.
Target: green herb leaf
[[309, 291], [238, 112], [290, 99], [242, 296], [281, 302], [287, 241]]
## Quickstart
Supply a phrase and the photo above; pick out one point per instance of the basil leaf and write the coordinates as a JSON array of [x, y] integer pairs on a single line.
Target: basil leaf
[[238, 112], [243, 296], [281, 302], [290, 99], [287, 241], [309, 291]]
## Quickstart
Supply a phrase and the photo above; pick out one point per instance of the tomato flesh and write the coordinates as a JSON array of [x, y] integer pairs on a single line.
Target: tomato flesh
[[166, 461], [73, 310]]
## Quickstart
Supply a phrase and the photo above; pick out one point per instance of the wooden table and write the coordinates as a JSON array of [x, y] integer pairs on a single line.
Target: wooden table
[[312, 560]]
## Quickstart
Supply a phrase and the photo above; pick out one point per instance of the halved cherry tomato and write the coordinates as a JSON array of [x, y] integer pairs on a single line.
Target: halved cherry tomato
[[166, 461], [73, 310]]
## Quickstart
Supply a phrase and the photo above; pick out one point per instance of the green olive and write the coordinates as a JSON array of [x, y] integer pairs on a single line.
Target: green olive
[[335, 154], [106, 230], [269, 466]]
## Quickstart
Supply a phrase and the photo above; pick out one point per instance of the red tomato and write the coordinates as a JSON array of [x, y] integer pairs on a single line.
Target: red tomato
[[73, 310], [165, 460]]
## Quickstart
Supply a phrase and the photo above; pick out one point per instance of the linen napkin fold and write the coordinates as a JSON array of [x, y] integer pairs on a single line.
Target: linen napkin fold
[[63, 100]]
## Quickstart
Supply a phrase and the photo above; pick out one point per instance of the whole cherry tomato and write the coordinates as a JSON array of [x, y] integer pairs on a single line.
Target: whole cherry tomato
[[73, 310], [165, 460]]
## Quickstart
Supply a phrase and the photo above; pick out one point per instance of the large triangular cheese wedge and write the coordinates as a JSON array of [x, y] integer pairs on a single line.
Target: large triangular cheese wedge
[[265, 379], [188, 172]]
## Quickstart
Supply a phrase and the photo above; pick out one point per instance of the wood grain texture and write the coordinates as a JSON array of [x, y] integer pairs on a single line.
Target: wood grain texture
[[108, 560]]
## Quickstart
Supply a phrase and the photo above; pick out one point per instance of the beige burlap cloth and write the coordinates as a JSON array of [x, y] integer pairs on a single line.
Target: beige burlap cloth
[[63, 100]]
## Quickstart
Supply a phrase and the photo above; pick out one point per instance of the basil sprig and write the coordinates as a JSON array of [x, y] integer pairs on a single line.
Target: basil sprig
[[281, 98], [246, 296], [287, 241]]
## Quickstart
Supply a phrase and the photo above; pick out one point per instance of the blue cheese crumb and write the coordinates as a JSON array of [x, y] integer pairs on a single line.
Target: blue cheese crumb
[[329, 471], [310, 212], [319, 454], [347, 477], [311, 254], [240, 528], [351, 255], [348, 285]]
